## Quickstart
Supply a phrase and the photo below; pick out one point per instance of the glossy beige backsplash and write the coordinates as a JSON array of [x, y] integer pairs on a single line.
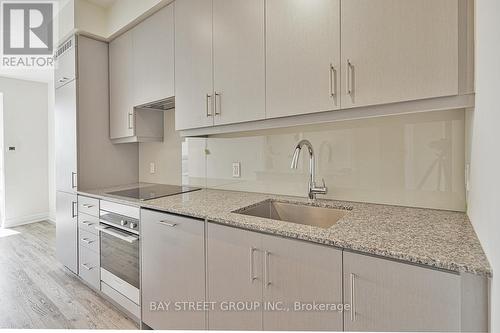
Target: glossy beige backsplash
[[411, 160]]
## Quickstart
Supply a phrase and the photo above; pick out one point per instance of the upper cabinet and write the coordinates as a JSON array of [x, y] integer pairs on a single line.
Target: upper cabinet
[[193, 64], [153, 42], [239, 61], [302, 56], [141, 72], [394, 51], [121, 86], [220, 62]]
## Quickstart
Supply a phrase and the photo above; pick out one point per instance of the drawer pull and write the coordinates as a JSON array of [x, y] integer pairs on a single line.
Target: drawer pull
[[86, 241], [167, 223], [87, 206], [87, 223], [87, 267]]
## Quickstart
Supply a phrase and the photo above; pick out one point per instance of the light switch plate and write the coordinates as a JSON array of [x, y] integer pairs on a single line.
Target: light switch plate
[[152, 167], [236, 169]]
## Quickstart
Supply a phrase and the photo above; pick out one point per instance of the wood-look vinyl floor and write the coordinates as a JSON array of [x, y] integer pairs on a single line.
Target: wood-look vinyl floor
[[37, 292]]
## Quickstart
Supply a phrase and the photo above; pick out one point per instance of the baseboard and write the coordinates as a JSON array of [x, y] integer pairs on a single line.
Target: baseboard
[[17, 221]]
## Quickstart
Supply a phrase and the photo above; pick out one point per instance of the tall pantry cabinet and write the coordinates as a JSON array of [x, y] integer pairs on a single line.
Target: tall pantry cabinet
[[85, 156]]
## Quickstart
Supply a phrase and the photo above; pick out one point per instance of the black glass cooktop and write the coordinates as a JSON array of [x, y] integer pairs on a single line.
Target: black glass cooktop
[[149, 192]]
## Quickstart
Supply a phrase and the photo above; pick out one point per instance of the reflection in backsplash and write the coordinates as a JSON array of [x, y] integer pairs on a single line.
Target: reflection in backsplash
[[411, 160]]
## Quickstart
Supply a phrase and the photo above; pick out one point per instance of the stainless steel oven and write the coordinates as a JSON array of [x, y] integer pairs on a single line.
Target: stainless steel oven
[[120, 243]]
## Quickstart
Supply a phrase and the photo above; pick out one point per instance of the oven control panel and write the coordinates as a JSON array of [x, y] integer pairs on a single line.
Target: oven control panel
[[120, 221]]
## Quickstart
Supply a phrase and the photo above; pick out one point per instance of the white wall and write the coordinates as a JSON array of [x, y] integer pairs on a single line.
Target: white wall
[[26, 169], [484, 195]]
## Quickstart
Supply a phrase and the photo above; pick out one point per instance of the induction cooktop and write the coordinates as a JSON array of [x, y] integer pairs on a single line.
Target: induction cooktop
[[149, 192]]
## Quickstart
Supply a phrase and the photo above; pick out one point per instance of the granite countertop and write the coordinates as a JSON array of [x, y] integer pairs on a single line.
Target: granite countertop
[[435, 238]]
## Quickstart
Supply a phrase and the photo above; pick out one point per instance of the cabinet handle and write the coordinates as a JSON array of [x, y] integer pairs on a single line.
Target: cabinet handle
[[167, 223], [87, 223], [87, 205], [86, 241], [333, 81], [130, 120], [350, 78], [267, 264], [73, 210], [353, 306], [63, 79], [252, 264], [73, 181], [215, 104], [208, 97], [87, 267]]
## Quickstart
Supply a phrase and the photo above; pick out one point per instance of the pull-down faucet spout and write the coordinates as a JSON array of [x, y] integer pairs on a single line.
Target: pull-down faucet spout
[[313, 189]]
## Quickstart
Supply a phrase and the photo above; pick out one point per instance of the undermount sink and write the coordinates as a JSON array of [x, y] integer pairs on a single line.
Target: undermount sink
[[296, 213]]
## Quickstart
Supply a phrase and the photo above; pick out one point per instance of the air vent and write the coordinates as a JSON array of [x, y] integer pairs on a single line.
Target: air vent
[[161, 105], [64, 47]]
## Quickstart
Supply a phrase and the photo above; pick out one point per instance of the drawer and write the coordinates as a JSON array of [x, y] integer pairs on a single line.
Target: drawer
[[88, 206], [88, 240], [88, 223], [120, 209], [89, 267]]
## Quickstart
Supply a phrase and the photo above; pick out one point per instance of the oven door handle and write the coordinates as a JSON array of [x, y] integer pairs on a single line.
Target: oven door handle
[[106, 230]]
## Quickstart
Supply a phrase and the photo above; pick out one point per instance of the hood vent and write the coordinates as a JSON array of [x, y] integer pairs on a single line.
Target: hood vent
[[161, 105]]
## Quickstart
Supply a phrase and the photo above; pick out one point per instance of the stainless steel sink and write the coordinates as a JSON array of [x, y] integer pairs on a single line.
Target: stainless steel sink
[[295, 213]]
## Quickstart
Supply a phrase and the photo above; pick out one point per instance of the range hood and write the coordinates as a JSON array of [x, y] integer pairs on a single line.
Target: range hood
[[161, 105]]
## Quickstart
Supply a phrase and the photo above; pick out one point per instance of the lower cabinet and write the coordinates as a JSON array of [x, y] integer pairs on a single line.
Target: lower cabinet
[[173, 271], [390, 296], [67, 230], [265, 282]]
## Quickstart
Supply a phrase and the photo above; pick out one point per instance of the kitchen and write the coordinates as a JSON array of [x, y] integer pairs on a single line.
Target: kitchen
[[278, 164]]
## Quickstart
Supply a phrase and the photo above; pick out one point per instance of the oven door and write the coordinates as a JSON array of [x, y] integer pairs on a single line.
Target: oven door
[[120, 253]]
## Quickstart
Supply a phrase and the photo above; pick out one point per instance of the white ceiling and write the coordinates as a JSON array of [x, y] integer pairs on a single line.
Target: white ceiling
[[103, 3]]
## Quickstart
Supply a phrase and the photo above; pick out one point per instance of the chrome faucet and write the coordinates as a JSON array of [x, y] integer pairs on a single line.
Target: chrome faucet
[[313, 189]]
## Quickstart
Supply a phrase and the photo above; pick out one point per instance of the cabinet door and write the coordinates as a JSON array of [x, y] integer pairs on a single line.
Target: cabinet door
[[390, 296], [395, 50], [154, 57], [239, 60], [67, 230], [302, 56], [297, 272], [173, 270], [121, 83], [193, 64], [234, 265], [65, 138]]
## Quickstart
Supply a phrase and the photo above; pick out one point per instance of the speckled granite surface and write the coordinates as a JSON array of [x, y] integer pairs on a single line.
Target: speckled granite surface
[[440, 239]]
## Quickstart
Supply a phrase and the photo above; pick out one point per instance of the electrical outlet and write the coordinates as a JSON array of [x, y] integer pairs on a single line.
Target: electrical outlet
[[152, 167], [236, 170]]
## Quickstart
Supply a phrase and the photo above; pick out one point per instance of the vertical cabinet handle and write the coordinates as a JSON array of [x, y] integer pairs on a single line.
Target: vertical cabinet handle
[[267, 264], [353, 295], [131, 120], [350, 78], [73, 180], [73, 209], [217, 113], [208, 112], [252, 264], [333, 81]]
